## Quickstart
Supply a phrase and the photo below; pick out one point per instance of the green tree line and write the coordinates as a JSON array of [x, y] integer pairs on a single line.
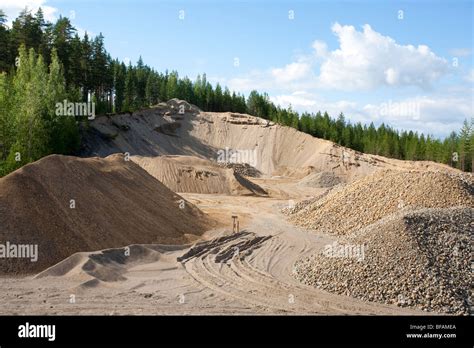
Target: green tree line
[[42, 63]]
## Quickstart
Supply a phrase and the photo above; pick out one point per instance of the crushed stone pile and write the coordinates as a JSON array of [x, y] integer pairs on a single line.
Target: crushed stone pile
[[322, 179], [243, 169], [371, 198], [294, 207], [419, 259]]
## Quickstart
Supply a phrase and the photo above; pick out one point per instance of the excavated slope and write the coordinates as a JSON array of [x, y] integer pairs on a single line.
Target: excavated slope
[[270, 148], [196, 175]]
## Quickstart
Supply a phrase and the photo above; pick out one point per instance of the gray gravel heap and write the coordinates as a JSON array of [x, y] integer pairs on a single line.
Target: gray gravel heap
[[420, 259], [322, 179]]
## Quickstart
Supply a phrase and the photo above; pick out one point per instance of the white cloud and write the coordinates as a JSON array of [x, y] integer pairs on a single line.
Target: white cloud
[[292, 72], [12, 8], [304, 101], [368, 60], [300, 99], [320, 49], [255, 79], [365, 60]]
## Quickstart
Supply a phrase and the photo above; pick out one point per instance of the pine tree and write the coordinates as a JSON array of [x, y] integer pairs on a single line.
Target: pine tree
[[7, 134], [141, 74], [3, 18], [63, 32], [130, 90], [64, 134], [172, 85], [120, 71], [340, 124], [227, 100], [346, 137], [86, 67], [471, 142], [219, 99], [5, 57], [149, 90], [465, 146], [99, 73]]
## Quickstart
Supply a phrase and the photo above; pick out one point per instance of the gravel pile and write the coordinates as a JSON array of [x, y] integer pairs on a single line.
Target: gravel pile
[[243, 169], [420, 259], [371, 198], [294, 207], [322, 179]]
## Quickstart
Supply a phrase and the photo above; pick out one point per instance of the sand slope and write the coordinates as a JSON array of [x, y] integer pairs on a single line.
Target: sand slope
[[196, 175], [279, 150], [116, 203]]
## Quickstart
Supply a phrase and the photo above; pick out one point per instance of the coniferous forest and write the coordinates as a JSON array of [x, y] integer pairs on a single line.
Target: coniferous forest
[[43, 63]]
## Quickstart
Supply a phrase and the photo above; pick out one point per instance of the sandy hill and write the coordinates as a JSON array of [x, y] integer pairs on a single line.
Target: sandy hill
[[197, 175], [273, 149], [108, 265], [418, 259], [373, 197], [117, 203]]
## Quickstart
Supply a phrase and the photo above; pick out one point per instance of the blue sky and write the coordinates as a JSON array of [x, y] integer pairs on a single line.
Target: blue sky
[[410, 69]]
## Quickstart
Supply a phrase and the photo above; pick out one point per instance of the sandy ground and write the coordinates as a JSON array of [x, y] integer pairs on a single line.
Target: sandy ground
[[242, 273]]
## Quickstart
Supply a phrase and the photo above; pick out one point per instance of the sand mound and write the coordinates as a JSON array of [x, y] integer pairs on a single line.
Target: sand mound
[[196, 175], [107, 265], [115, 203], [323, 179], [417, 259], [369, 199]]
